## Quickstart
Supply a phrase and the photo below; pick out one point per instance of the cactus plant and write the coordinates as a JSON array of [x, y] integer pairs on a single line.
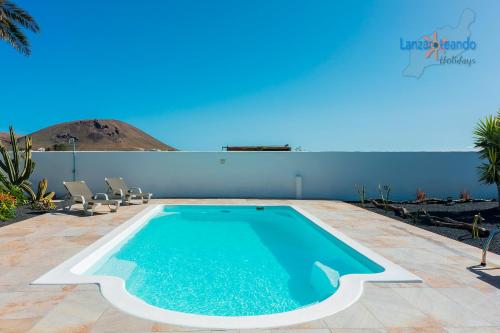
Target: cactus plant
[[42, 189], [43, 200], [17, 165], [361, 193], [475, 231], [384, 195]]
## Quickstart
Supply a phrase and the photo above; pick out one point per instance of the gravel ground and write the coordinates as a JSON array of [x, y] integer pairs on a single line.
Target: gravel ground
[[22, 213], [463, 212]]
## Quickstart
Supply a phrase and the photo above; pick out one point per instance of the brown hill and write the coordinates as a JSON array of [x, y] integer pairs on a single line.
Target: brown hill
[[5, 138], [96, 135]]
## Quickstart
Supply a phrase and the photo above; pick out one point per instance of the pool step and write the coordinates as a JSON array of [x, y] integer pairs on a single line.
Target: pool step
[[118, 267], [324, 279]]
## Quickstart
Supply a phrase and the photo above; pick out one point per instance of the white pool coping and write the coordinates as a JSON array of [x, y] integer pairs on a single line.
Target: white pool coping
[[113, 289]]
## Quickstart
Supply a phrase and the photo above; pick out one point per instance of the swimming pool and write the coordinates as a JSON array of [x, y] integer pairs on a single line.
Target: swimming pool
[[227, 266]]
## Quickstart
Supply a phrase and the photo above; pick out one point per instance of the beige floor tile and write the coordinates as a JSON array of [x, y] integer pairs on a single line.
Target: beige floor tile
[[355, 316], [417, 330], [473, 330], [310, 324], [161, 327], [358, 330], [442, 308], [17, 325], [306, 330], [21, 305], [112, 320], [78, 312], [483, 304], [392, 310]]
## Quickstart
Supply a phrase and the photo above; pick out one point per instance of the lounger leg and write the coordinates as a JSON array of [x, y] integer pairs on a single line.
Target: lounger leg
[[66, 205], [113, 210], [146, 200], [88, 211], [94, 207]]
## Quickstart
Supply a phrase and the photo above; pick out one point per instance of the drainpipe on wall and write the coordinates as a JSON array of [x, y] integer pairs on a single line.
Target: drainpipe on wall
[[72, 141], [298, 187]]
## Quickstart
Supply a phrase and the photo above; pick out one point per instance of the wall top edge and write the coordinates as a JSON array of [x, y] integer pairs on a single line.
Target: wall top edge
[[258, 152]]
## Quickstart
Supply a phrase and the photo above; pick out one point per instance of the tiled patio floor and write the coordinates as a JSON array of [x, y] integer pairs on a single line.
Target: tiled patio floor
[[456, 296]]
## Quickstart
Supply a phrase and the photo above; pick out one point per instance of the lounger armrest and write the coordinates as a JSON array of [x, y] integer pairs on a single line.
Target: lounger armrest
[[101, 196], [135, 190], [81, 198], [119, 192]]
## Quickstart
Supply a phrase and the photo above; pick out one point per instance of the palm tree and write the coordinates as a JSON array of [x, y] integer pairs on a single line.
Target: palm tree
[[487, 139], [11, 17]]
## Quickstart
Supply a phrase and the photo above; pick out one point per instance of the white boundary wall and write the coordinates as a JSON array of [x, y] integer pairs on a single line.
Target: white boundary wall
[[325, 175]]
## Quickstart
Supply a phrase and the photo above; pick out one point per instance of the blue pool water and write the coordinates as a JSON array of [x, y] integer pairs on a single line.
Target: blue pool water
[[232, 260]]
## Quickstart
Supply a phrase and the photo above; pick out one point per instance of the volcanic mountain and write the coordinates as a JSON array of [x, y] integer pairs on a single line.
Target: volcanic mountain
[[94, 135], [5, 138]]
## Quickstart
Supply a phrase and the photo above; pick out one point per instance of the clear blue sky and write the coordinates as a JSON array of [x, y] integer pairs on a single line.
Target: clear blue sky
[[324, 75]]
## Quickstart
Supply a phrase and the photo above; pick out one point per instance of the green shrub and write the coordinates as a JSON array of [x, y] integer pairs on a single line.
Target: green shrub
[[487, 140], [17, 193], [14, 190], [7, 206]]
